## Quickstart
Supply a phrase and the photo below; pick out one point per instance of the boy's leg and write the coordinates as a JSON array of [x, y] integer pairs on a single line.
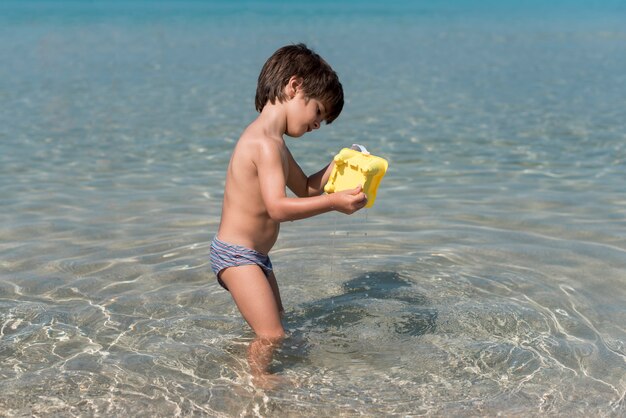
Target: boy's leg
[[274, 284], [257, 303]]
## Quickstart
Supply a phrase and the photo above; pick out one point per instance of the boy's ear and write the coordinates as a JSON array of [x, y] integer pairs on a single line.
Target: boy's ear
[[293, 86]]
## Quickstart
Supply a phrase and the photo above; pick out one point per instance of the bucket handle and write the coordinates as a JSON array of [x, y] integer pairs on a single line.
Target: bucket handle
[[358, 147]]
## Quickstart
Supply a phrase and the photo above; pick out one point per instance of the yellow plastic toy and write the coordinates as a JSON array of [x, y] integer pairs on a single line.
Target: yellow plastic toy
[[354, 167]]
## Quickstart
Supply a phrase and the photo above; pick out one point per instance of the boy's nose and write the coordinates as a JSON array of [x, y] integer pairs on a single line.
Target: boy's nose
[[316, 125]]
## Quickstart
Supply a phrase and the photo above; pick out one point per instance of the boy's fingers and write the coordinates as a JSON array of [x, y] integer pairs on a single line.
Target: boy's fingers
[[358, 189], [360, 198]]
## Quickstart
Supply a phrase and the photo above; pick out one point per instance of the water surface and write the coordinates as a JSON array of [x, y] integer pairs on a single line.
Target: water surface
[[488, 278]]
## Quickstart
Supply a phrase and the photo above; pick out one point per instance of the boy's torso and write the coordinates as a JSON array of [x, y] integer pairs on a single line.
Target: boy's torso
[[245, 219]]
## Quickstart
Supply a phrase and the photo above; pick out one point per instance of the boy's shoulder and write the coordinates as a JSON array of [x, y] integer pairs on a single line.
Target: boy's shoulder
[[255, 137], [256, 147]]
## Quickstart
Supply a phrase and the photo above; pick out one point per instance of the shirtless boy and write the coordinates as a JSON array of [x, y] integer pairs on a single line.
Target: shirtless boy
[[296, 91]]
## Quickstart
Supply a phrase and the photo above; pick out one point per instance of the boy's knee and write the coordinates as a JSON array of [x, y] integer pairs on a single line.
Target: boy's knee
[[273, 336]]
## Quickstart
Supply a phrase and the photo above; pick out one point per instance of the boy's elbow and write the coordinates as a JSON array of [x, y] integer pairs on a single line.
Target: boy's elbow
[[277, 217], [277, 214], [313, 189]]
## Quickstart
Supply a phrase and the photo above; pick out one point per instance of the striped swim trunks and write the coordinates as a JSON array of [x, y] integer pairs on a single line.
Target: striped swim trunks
[[224, 255]]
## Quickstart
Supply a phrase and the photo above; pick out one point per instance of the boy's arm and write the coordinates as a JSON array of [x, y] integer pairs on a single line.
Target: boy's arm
[[272, 180], [304, 186]]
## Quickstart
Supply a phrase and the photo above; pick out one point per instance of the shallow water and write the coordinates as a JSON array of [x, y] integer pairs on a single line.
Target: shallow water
[[488, 278]]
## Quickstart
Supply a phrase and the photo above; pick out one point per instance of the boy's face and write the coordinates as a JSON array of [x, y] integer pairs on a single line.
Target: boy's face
[[304, 115]]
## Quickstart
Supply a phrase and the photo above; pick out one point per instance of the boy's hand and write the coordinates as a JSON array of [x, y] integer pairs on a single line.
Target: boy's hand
[[348, 201]]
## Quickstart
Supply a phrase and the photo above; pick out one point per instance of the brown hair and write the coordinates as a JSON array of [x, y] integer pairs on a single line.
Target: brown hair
[[319, 80]]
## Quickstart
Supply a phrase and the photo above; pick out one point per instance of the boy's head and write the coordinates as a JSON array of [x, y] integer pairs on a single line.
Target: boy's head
[[319, 81]]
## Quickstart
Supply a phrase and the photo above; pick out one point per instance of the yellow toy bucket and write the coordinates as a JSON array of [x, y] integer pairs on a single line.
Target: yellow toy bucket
[[354, 167]]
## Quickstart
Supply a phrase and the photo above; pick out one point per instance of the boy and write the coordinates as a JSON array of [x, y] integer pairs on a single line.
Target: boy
[[296, 91]]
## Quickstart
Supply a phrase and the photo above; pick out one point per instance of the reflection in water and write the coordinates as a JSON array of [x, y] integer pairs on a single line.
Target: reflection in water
[[374, 306], [351, 307]]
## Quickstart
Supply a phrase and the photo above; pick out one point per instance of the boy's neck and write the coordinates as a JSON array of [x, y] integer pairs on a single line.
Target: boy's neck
[[273, 120]]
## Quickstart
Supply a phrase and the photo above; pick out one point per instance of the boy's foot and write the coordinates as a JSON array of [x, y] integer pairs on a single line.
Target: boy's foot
[[270, 381]]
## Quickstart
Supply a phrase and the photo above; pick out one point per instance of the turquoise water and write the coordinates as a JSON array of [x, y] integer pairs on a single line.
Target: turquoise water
[[489, 277]]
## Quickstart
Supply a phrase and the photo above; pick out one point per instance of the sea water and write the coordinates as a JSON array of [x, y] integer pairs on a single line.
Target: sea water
[[489, 277]]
